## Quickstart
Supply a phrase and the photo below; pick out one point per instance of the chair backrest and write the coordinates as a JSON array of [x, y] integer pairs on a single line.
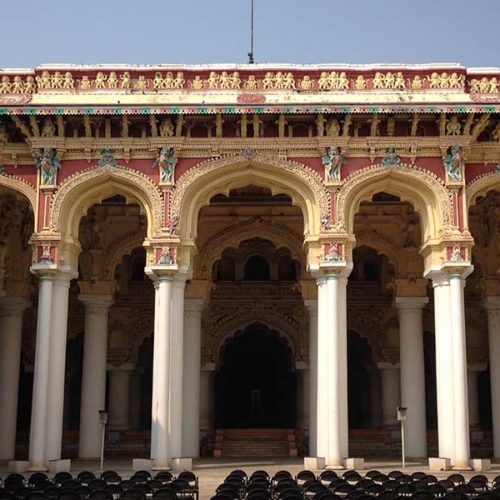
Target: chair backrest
[[164, 476], [85, 476], [62, 477]]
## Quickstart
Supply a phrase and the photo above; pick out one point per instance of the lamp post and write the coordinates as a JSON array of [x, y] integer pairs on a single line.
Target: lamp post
[[401, 416], [103, 420]]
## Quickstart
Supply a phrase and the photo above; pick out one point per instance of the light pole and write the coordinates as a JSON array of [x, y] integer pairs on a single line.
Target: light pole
[[401, 415], [103, 420]]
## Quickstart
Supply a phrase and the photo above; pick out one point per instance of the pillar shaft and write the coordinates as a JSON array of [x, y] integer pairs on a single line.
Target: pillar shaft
[[207, 399], [302, 398], [93, 373], [493, 307], [160, 450], [312, 306], [11, 325], [413, 373], [192, 378], [390, 381], [119, 397], [473, 396], [41, 376], [57, 366]]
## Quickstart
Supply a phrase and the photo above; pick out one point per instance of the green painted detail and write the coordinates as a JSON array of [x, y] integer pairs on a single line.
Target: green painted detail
[[88, 111], [345, 110], [287, 111], [259, 110], [145, 111], [31, 111], [175, 111], [373, 109], [4, 111], [203, 111], [230, 111], [59, 111], [461, 109], [117, 111]]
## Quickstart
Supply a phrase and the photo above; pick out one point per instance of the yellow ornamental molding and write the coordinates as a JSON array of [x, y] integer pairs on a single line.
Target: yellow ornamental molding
[[424, 190], [195, 188], [481, 185], [20, 186], [85, 188]]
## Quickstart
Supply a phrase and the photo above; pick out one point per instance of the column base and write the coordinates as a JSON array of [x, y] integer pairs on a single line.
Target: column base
[[59, 466], [480, 464], [354, 463], [314, 463], [182, 464], [142, 464], [439, 463], [18, 466]]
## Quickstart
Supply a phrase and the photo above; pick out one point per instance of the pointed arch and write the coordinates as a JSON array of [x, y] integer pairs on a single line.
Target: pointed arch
[[20, 186], [481, 186]]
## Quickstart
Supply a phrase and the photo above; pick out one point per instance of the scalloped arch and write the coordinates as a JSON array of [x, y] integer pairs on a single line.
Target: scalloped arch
[[480, 187], [423, 190], [20, 186], [197, 186], [88, 187], [234, 235]]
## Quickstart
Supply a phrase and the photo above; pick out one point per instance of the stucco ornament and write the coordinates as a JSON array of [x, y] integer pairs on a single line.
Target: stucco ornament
[[454, 163], [48, 165], [333, 161], [166, 162], [107, 158], [334, 253], [391, 159]]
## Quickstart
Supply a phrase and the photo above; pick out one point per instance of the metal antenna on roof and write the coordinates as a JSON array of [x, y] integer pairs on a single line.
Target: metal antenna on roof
[[250, 54]]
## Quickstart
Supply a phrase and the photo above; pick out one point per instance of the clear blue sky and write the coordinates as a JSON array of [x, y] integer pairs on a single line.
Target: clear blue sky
[[203, 31]]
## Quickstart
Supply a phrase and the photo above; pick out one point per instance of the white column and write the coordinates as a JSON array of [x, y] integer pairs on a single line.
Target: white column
[[11, 325], [492, 305], [461, 404], [444, 366], [389, 378], [473, 372], [344, 399], [412, 369], [331, 401], [119, 396], [207, 397], [93, 398], [176, 367], [192, 378], [312, 306], [57, 366], [302, 397], [160, 451]]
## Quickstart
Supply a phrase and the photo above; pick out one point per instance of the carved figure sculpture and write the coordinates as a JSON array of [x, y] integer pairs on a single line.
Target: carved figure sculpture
[[69, 82], [323, 81], [197, 83], [141, 83], [417, 83], [30, 85], [453, 126], [100, 80], [333, 161], [213, 80], [289, 81], [320, 125], [333, 128], [107, 158], [378, 80], [343, 82], [166, 257], [48, 166], [279, 80], [268, 81], [112, 80], [389, 80], [85, 83], [235, 80], [56, 80], [454, 164], [399, 81], [43, 81], [166, 163], [17, 85], [48, 128], [434, 81], [456, 254], [360, 83], [334, 253], [444, 81], [306, 83], [158, 81], [169, 81], [166, 128], [125, 78], [224, 82], [251, 83], [456, 81], [179, 81], [391, 158], [5, 85]]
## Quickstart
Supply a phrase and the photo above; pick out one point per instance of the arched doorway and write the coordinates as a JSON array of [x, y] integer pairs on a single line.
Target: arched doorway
[[255, 386]]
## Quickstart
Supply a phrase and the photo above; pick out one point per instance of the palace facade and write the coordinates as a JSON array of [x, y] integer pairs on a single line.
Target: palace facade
[[199, 249]]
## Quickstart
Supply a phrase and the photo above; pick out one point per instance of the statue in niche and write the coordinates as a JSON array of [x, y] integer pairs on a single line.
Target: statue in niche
[[167, 257], [172, 225], [219, 124], [332, 128], [48, 128], [453, 126], [107, 158], [166, 162], [320, 125], [391, 158], [166, 128], [333, 161], [456, 254], [453, 164], [48, 166], [334, 253]]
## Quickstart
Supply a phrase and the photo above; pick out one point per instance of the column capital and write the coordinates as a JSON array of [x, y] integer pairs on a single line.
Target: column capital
[[492, 303], [97, 302], [410, 303], [53, 272], [194, 306], [124, 367], [13, 306]]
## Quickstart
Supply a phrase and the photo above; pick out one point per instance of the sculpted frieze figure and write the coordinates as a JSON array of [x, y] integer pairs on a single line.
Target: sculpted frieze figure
[[332, 128], [333, 161], [334, 253], [100, 80], [85, 83], [5, 85], [360, 83], [125, 78], [391, 159], [453, 126], [48, 128], [417, 83], [166, 162], [454, 163], [306, 83], [166, 128], [112, 80], [251, 83], [48, 165]]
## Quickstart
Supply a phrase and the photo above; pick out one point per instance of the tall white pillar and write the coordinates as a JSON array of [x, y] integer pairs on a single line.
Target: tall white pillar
[[176, 368], [93, 398], [412, 371], [444, 366], [459, 350], [302, 397], [160, 451], [192, 378], [492, 305], [331, 397], [207, 397], [390, 384], [119, 396], [57, 366], [473, 372], [37, 456], [312, 307], [11, 325]]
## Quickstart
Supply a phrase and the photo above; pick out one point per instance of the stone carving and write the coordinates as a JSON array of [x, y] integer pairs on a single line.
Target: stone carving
[[166, 162], [48, 165], [417, 83], [484, 85], [166, 128], [333, 161], [389, 81], [445, 81], [456, 254], [112, 80], [167, 257], [334, 253], [333, 81], [172, 225], [48, 128], [360, 83], [107, 158], [454, 164], [332, 128], [391, 159], [125, 78], [453, 127]]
